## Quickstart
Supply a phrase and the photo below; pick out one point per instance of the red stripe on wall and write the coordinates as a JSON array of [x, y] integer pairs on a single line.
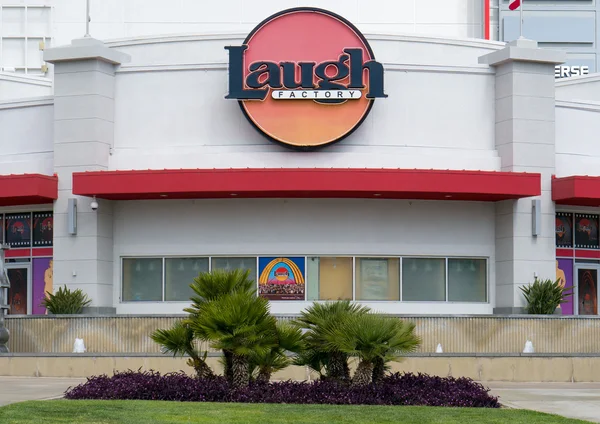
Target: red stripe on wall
[[587, 254], [18, 253], [42, 251], [564, 253], [486, 19]]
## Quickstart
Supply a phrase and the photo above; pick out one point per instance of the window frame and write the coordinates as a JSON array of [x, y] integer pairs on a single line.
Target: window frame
[[400, 258]]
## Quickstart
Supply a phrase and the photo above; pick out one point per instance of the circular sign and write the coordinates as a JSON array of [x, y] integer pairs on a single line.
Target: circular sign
[[316, 67]]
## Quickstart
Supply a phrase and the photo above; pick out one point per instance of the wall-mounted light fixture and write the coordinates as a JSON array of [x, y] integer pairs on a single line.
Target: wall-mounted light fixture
[[536, 217], [72, 216]]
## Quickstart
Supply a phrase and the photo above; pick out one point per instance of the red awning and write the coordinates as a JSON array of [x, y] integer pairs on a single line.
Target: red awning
[[576, 190], [307, 183], [27, 189]]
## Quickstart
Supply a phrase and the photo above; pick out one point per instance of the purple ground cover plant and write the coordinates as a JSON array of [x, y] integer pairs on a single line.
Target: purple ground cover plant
[[395, 389]]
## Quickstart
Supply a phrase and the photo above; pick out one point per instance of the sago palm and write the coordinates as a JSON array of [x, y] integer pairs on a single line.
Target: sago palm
[[372, 338], [179, 340], [289, 339], [319, 320], [239, 323], [209, 286]]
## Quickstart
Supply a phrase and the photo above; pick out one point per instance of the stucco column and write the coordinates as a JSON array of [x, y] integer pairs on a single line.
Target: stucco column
[[525, 141], [84, 88]]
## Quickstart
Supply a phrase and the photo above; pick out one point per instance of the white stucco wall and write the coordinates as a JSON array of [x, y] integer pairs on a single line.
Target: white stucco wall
[[577, 129], [130, 18], [16, 86], [170, 110], [27, 136], [304, 227], [586, 88]]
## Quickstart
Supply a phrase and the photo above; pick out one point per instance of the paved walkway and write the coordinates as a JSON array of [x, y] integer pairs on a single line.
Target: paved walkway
[[573, 400], [18, 389]]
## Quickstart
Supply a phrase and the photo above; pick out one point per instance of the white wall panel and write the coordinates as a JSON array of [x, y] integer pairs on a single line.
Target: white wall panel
[[130, 18], [577, 129], [26, 143], [301, 227]]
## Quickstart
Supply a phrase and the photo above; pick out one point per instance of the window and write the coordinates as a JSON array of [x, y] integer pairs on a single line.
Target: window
[[179, 274], [377, 279], [142, 279], [236, 263], [329, 278], [423, 279], [321, 278], [467, 280]]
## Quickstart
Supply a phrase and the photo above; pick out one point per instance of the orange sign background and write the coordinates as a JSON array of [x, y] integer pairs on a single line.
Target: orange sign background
[[305, 36]]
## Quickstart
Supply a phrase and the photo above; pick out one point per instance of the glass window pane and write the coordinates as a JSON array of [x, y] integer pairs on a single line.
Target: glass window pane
[[236, 263], [179, 274], [142, 279], [467, 280], [329, 278], [423, 279], [377, 279]]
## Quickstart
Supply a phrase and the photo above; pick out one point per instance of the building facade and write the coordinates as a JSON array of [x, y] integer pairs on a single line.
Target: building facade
[[444, 193], [29, 26], [558, 24]]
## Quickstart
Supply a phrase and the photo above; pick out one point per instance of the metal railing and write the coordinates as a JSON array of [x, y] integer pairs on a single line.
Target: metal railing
[[457, 334]]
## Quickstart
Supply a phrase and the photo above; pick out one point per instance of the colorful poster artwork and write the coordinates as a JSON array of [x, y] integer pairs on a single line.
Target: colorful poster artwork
[[586, 231], [564, 273], [587, 282], [43, 225], [281, 278], [17, 293], [42, 283], [564, 230], [18, 230]]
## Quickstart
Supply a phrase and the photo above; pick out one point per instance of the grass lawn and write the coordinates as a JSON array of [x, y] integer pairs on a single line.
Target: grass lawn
[[147, 412]]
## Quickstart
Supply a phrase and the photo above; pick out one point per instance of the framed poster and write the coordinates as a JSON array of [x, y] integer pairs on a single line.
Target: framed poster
[[587, 291], [43, 225], [17, 293], [281, 278], [586, 231], [18, 230], [42, 283], [564, 229], [564, 273], [374, 279]]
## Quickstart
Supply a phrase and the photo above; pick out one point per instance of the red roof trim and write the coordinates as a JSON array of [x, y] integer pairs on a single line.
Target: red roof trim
[[27, 189], [576, 190], [307, 183]]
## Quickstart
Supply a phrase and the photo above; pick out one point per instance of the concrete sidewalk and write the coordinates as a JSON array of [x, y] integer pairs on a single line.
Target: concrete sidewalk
[[573, 400], [19, 389]]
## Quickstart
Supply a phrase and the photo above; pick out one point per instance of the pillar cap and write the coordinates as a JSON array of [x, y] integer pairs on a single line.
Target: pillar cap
[[85, 48], [524, 50]]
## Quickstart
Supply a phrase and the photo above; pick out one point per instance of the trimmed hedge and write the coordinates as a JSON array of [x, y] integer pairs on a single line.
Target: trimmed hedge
[[396, 389]]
